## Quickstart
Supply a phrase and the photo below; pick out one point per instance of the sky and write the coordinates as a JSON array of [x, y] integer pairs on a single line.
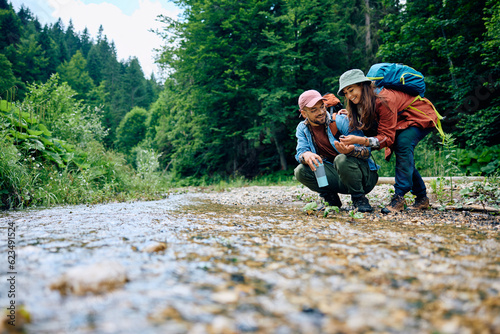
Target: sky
[[126, 22]]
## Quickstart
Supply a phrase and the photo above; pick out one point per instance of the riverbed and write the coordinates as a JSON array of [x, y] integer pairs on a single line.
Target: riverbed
[[250, 260]]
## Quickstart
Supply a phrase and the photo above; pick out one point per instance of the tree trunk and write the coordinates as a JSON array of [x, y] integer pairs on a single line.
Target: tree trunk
[[368, 36], [281, 152]]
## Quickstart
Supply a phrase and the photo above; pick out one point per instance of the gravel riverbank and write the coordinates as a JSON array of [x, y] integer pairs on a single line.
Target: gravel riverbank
[[299, 196], [250, 260]]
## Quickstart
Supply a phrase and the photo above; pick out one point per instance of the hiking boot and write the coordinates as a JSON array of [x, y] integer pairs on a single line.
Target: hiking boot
[[398, 203], [361, 203], [332, 199], [421, 203]]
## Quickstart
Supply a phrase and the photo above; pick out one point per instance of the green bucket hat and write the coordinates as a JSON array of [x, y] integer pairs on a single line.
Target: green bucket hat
[[351, 77]]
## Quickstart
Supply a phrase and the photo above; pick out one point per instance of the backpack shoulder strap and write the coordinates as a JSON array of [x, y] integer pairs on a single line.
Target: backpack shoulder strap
[[334, 127], [439, 117]]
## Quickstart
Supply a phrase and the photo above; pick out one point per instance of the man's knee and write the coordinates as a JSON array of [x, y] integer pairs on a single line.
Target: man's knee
[[300, 172], [344, 162]]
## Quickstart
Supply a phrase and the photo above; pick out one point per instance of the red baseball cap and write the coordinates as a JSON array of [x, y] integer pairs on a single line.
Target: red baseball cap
[[309, 98]]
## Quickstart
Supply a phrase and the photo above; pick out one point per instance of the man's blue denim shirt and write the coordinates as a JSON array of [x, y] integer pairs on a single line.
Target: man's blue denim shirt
[[305, 142]]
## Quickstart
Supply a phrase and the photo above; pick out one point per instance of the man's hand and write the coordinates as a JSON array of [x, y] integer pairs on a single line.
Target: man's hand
[[312, 160], [351, 140], [343, 148]]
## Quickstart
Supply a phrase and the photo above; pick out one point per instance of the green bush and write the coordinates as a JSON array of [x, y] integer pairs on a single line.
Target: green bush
[[38, 168], [481, 161], [14, 177], [132, 130]]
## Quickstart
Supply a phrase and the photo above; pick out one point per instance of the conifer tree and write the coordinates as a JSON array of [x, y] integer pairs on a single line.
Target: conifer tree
[[75, 74]]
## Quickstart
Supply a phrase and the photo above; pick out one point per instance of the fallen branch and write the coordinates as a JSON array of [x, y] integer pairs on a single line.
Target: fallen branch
[[470, 207], [390, 180]]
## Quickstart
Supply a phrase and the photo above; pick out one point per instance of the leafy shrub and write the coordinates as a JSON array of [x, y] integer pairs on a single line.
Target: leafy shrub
[[14, 176], [33, 140], [481, 161], [38, 168], [132, 129], [52, 104]]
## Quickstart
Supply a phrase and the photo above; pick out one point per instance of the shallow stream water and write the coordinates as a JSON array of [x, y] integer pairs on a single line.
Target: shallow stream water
[[256, 269]]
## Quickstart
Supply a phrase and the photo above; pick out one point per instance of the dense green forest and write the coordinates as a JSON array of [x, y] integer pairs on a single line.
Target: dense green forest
[[237, 70], [73, 115]]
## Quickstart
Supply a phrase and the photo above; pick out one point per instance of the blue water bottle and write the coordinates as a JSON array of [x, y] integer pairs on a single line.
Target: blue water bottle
[[321, 176]]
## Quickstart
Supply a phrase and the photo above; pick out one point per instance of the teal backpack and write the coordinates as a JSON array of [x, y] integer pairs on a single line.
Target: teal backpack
[[398, 77], [405, 79]]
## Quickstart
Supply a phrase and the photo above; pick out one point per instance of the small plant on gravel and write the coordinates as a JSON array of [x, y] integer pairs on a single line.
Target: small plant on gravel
[[409, 197], [310, 207], [328, 209], [306, 197], [356, 215], [485, 192], [451, 161], [437, 187]]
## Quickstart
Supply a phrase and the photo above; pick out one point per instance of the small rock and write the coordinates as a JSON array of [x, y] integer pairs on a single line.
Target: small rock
[[156, 247], [225, 297], [222, 324], [95, 278]]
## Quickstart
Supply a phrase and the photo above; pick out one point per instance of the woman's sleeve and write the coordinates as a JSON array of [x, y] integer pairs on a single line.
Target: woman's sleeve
[[388, 119]]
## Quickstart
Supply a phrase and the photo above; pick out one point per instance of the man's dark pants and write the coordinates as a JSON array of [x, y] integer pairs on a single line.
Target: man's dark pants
[[347, 175]]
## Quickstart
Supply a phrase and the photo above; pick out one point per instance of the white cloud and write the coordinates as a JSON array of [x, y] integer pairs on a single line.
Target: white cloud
[[131, 34]]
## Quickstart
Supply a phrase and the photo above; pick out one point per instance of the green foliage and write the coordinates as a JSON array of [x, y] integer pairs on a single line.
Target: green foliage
[[146, 162], [451, 161], [356, 215], [90, 68], [14, 176], [455, 44], [7, 79], [485, 192], [30, 60], [329, 209], [50, 100], [491, 43], [132, 129], [481, 161], [53, 103], [236, 71], [10, 26], [75, 74], [438, 189], [33, 139], [481, 127], [310, 207], [39, 169]]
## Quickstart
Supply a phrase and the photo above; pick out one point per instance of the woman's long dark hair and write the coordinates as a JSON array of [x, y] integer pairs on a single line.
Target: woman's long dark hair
[[363, 116]]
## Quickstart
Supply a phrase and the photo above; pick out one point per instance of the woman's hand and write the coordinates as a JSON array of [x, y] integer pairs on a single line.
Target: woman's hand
[[342, 112], [351, 140]]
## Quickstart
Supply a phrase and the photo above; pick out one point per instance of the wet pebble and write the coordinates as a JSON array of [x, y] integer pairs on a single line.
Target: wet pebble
[[95, 278], [155, 247]]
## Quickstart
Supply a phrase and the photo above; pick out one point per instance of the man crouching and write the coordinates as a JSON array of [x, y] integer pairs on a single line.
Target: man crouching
[[349, 168]]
